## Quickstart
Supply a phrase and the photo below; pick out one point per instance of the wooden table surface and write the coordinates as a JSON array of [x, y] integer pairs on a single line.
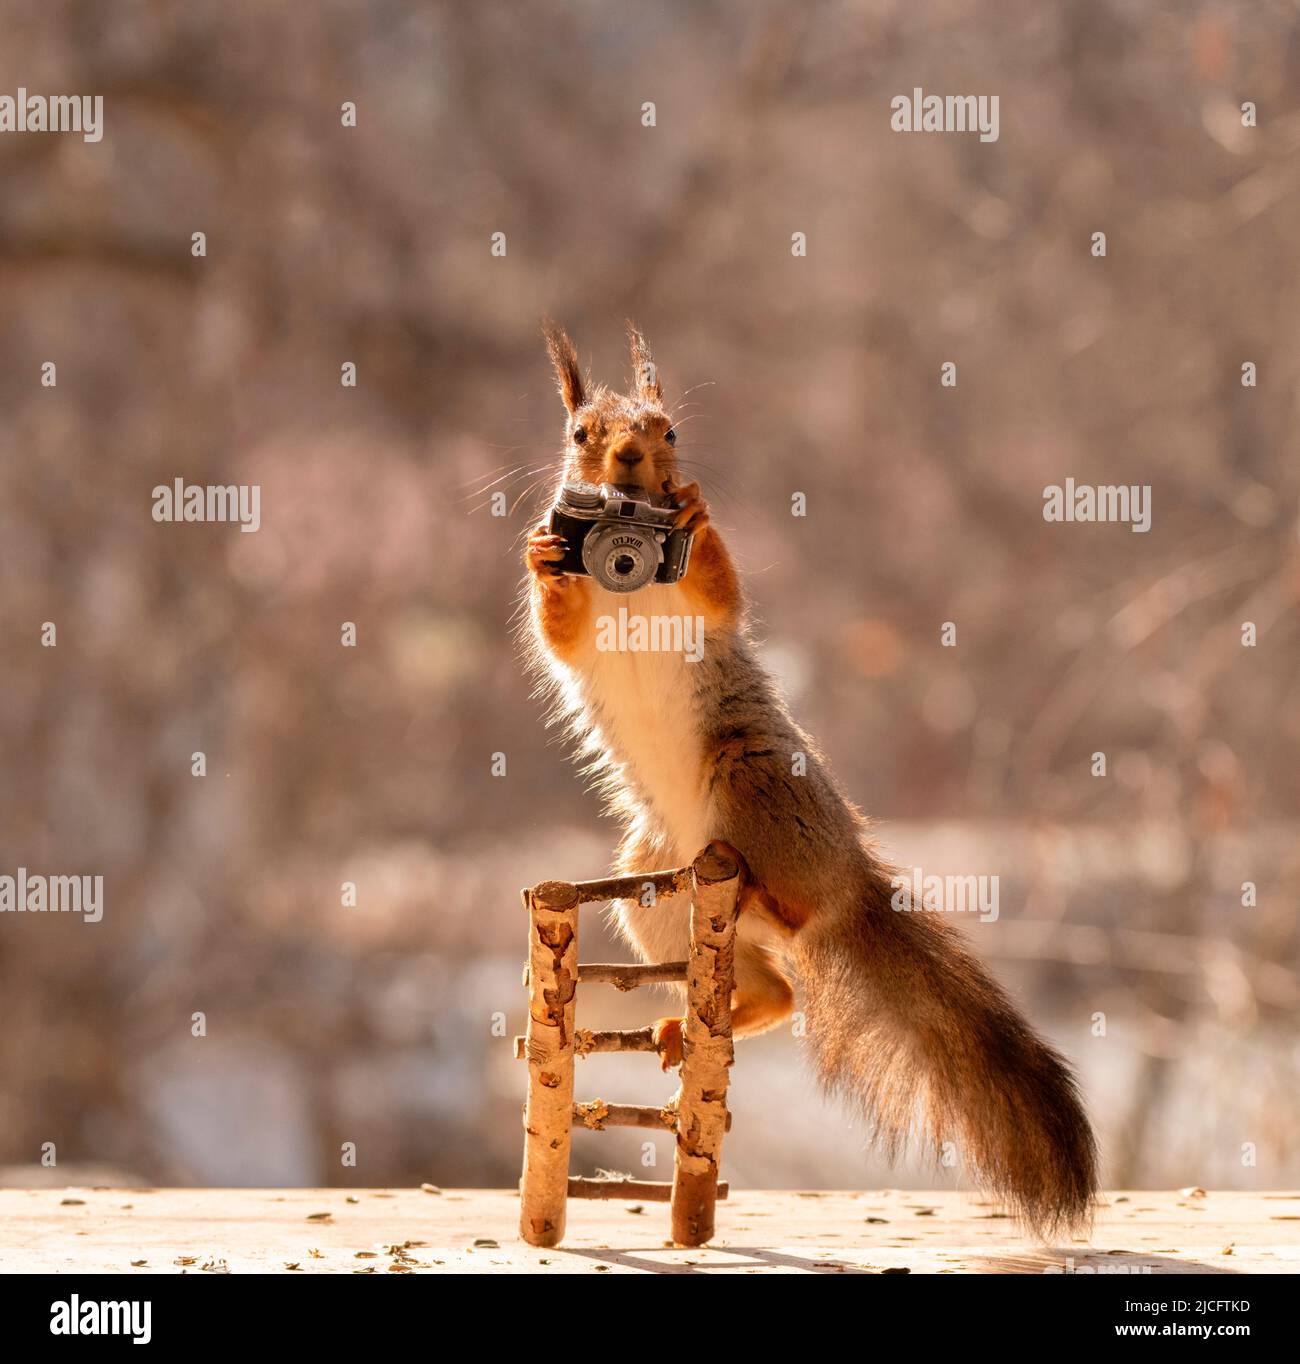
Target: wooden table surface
[[384, 1231]]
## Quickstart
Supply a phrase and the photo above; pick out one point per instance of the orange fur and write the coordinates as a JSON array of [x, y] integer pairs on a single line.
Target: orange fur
[[712, 586]]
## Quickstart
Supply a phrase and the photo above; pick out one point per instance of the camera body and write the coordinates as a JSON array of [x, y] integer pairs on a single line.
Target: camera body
[[620, 539]]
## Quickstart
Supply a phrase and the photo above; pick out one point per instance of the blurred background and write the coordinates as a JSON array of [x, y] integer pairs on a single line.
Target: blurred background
[[388, 1023]]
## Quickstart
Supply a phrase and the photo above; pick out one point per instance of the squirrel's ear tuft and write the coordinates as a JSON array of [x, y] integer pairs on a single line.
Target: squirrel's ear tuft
[[645, 373], [565, 359]]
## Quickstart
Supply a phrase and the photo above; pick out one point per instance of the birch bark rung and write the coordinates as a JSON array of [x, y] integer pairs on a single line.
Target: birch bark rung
[[625, 976], [638, 1190], [585, 1041], [610, 887], [598, 1115]]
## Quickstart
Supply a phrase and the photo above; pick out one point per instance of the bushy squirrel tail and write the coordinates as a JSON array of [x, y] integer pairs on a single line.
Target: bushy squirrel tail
[[908, 1026]]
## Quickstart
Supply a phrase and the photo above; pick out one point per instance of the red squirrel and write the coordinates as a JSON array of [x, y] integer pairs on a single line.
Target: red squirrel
[[902, 1018]]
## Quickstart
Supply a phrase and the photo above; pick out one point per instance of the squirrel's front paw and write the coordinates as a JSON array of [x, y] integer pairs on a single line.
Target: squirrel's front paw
[[667, 1034], [693, 510], [543, 553]]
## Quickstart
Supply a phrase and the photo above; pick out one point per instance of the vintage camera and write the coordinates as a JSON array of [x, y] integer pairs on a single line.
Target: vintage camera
[[621, 540]]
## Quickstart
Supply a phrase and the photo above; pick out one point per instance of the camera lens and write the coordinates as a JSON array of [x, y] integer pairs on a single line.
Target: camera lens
[[621, 557]]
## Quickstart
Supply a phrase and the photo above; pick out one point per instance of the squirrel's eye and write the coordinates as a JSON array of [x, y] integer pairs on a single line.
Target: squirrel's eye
[[670, 436], [579, 434]]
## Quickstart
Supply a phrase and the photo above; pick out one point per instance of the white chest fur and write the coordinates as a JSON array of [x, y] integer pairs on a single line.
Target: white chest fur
[[641, 700]]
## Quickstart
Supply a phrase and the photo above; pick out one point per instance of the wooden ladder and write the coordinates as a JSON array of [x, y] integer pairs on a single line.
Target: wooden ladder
[[697, 1114]]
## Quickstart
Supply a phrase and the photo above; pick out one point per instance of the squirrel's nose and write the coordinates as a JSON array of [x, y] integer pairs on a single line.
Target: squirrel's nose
[[628, 452]]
